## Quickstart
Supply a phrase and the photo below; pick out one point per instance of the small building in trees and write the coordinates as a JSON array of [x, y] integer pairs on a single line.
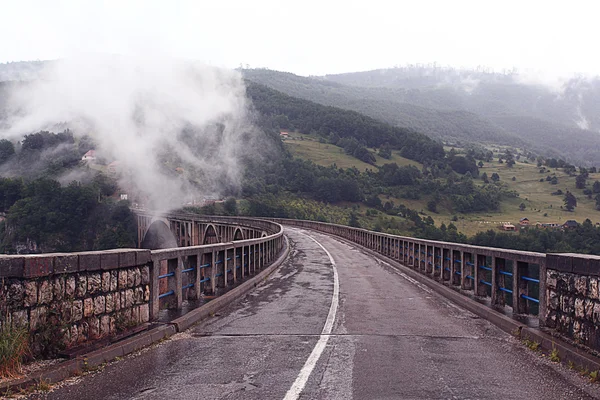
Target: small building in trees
[[508, 227], [524, 221], [90, 156], [284, 135], [570, 224]]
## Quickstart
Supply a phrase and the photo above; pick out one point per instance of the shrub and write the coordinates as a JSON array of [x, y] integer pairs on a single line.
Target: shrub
[[14, 347]]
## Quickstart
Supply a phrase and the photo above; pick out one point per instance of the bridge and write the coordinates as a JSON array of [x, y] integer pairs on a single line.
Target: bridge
[[335, 313]]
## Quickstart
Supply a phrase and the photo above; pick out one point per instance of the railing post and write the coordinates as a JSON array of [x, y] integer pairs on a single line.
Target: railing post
[[454, 277], [497, 280], [520, 287], [542, 312], [154, 289], [213, 272]]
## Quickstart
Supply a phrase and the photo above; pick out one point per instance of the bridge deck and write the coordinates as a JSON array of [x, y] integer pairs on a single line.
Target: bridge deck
[[390, 338]]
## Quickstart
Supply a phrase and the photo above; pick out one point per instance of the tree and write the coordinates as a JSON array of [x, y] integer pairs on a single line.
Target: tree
[[385, 151], [597, 202], [480, 164], [7, 150], [230, 206], [510, 162], [596, 187], [570, 201], [353, 220], [522, 206], [484, 178], [495, 177], [432, 205], [580, 181]]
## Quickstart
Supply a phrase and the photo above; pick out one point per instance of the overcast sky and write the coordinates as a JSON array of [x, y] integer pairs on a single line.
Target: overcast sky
[[312, 37]]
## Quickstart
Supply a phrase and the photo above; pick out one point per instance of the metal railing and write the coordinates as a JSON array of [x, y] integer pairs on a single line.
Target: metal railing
[[506, 277], [188, 273]]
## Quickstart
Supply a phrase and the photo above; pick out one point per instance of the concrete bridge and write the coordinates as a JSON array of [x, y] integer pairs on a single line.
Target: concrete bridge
[[349, 313]]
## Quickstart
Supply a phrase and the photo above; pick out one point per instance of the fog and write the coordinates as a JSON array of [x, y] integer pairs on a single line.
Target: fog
[[151, 114]]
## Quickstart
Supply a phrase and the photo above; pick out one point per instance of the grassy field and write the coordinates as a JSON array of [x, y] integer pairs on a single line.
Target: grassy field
[[541, 205], [308, 147]]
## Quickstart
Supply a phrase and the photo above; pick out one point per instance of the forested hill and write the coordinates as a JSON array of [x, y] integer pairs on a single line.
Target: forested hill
[[306, 116], [454, 105]]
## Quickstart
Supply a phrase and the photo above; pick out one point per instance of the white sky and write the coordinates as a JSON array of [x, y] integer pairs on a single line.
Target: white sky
[[313, 37]]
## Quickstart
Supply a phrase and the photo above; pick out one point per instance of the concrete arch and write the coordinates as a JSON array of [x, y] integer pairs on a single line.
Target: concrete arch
[[210, 235], [159, 236], [264, 234], [238, 235]]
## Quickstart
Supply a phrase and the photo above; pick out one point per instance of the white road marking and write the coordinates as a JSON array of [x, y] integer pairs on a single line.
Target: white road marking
[[311, 362]]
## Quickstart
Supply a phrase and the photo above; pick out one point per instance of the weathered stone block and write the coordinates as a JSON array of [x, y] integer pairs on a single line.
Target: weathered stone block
[[593, 288], [122, 279], [105, 281], [66, 311], [137, 277], [105, 325], [145, 275], [16, 294], [74, 335], [127, 258], [553, 299], [66, 263], [114, 281], [144, 313], [12, 266], [129, 298], [147, 293], [81, 289], [135, 315], [123, 303], [83, 331], [117, 301], [89, 261], [37, 316], [596, 313], [110, 303], [579, 310], [38, 266], [20, 319], [94, 283], [88, 307], [130, 277], [113, 325], [109, 260], [94, 324], [588, 306], [581, 283], [45, 289], [58, 289], [143, 257], [70, 286], [77, 310], [138, 295], [551, 279], [99, 305]]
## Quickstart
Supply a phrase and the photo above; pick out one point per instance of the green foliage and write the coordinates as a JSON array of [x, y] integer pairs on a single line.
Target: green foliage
[[570, 201], [230, 206], [7, 150], [307, 116], [554, 355], [71, 218], [14, 348]]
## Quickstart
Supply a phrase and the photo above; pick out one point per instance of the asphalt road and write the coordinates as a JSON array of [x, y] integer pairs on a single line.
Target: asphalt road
[[388, 338]]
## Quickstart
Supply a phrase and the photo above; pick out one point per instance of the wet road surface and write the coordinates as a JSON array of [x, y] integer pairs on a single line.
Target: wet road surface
[[390, 338]]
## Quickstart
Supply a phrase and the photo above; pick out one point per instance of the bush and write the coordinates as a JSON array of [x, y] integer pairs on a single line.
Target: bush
[[14, 347]]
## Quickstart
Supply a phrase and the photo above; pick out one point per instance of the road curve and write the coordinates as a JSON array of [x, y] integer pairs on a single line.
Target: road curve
[[387, 338]]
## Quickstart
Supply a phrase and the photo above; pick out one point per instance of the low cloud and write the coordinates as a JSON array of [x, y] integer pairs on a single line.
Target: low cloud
[[177, 129]]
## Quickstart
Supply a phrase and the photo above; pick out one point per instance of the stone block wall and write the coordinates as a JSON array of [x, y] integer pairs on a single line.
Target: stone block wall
[[78, 296], [572, 297]]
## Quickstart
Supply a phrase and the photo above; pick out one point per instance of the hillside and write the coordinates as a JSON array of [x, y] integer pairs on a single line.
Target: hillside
[[463, 107]]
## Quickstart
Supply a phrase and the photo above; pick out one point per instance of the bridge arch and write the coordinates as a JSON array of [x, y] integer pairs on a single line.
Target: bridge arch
[[238, 235], [158, 235], [210, 235]]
